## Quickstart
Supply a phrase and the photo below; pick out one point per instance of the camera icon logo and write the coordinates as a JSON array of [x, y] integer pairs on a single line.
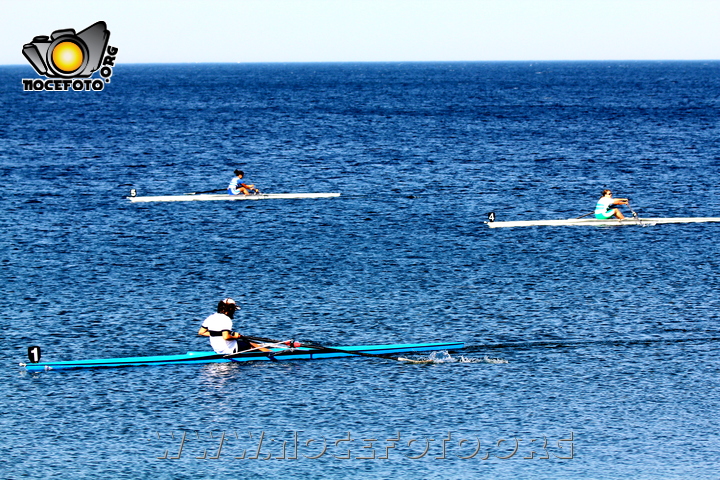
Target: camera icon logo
[[66, 54]]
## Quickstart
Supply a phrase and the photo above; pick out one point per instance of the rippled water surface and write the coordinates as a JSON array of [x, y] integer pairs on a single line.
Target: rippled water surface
[[591, 352]]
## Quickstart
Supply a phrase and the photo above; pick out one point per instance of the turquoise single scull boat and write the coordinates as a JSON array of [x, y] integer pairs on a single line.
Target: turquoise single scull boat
[[274, 354]]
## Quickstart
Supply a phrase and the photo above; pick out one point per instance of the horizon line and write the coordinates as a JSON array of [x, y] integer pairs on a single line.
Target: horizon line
[[390, 61]]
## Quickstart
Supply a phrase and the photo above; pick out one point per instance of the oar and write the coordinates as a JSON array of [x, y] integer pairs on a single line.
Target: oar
[[208, 191], [285, 345], [635, 215], [288, 344], [338, 350], [583, 216]]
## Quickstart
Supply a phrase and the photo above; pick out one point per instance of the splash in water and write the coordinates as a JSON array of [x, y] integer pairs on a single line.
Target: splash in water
[[445, 357]]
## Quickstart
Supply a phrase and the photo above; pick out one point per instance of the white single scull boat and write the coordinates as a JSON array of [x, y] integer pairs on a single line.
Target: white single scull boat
[[209, 197], [601, 223]]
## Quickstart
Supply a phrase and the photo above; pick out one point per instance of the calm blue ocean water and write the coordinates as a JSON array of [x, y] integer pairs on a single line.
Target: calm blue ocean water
[[597, 344]]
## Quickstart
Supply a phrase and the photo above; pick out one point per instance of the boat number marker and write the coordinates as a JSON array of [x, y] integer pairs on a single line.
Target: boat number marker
[[491, 217], [34, 354]]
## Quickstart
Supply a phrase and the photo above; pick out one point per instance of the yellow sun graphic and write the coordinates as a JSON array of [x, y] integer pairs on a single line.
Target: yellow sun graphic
[[67, 56]]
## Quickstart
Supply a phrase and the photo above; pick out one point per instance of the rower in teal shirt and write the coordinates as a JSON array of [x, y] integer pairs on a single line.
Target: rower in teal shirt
[[604, 210]]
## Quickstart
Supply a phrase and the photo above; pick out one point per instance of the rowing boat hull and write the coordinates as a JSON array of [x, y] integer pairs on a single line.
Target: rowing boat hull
[[207, 197], [301, 353], [573, 222]]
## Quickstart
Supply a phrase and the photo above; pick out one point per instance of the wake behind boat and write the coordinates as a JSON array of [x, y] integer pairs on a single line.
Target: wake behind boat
[[274, 353], [210, 197], [611, 222]]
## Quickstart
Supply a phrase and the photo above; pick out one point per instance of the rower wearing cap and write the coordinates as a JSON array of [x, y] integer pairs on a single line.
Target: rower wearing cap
[[604, 210], [219, 327], [236, 186]]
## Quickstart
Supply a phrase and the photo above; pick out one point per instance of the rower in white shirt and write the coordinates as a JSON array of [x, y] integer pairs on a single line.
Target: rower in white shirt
[[219, 327]]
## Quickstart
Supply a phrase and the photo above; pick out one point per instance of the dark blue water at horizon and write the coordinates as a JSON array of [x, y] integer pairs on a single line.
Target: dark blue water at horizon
[[607, 335]]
